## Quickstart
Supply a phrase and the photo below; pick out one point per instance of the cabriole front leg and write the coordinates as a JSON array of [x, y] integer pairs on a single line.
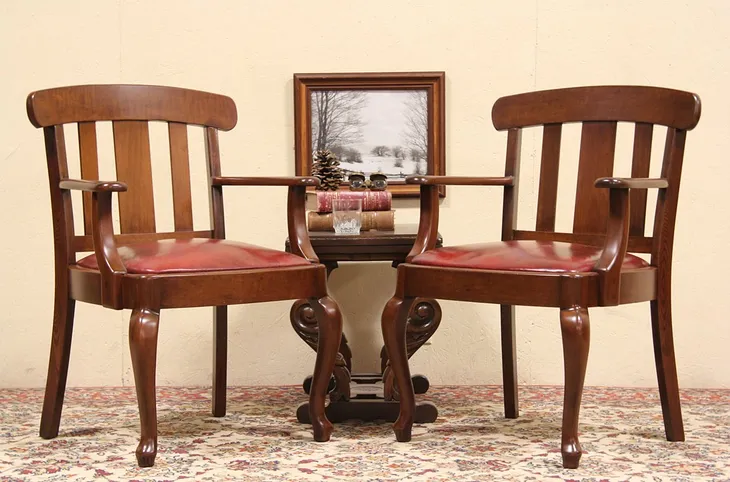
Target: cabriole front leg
[[329, 320], [143, 328], [394, 321], [423, 321], [304, 322], [575, 327]]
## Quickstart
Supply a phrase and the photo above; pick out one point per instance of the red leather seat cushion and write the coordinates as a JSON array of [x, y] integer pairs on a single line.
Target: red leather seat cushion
[[191, 255], [539, 256]]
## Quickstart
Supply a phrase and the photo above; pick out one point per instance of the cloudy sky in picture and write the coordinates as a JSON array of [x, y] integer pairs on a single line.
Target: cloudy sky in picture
[[384, 116]]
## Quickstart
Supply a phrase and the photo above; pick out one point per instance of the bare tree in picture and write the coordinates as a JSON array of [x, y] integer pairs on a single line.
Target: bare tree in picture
[[415, 133], [336, 117]]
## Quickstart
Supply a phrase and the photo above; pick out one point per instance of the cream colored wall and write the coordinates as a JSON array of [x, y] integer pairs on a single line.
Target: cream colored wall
[[249, 50]]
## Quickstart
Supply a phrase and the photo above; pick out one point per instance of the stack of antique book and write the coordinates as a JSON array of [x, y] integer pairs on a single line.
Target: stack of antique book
[[377, 212]]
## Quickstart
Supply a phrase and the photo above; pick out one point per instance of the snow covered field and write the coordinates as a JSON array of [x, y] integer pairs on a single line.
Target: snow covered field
[[384, 164]]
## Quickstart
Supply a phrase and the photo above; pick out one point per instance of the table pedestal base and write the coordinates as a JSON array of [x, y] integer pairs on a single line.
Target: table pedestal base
[[370, 396], [367, 403]]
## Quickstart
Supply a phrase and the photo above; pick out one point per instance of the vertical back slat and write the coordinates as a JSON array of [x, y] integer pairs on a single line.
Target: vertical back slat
[[640, 168], [512, 168], [548, 193], [134, 167], [597, 147], [180, 171], [89, 165], [212, 154]]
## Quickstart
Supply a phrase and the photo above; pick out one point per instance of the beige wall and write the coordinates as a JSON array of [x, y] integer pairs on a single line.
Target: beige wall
[[249, 50]]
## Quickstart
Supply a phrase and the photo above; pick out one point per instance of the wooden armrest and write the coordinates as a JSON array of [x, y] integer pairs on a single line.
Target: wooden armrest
[[630, 183], [608, 266], [110, 264], [460, 181], [92, 186], [265, 181]]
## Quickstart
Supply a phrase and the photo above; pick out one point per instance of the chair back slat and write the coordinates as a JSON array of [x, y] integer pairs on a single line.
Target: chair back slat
[[599, 109], [512, 168], [212, 154], [643, 134], [134, 167], [547, 197], [89, 158], [597, 147], [180, 172]]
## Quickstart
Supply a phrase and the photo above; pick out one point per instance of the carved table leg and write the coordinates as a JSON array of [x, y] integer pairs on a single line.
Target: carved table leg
[[371, 402]]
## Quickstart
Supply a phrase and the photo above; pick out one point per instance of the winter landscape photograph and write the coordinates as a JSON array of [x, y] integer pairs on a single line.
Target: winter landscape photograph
[[373, 131]]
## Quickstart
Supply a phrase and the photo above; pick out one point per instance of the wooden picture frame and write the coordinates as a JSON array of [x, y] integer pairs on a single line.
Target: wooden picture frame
[[382, 121]]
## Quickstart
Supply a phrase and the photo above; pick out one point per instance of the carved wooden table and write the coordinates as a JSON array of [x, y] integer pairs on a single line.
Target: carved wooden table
[[367, 396]]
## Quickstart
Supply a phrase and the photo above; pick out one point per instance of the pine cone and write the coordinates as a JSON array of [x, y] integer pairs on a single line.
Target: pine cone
[[325, 166]]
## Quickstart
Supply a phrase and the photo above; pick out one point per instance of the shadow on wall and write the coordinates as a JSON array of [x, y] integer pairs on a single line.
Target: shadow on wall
[[362, 289]]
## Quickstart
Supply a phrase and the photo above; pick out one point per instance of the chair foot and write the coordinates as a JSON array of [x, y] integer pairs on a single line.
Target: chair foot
[[571, 453], [146, 452], [322, 429], [403, 430]]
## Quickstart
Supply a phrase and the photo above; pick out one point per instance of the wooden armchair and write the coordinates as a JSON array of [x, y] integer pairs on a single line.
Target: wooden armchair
[[591, 266], [145, 270]]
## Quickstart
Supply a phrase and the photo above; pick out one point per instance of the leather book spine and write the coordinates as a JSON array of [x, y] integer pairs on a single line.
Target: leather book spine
[[371, 200]]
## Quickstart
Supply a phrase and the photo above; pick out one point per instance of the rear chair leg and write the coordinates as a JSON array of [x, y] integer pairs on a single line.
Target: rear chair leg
[[509, 362], [394, 322], [666, 366], [575, 327], [329, 322], [143, 327], [63, 321], [220, 359]]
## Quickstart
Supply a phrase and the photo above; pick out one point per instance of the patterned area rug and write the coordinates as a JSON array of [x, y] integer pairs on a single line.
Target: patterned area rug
[[260, 440]]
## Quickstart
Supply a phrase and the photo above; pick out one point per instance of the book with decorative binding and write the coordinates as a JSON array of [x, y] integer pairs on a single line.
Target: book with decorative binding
[[371, 200]]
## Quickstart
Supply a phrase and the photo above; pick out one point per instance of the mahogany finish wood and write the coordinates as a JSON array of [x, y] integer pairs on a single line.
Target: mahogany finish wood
[[130, 108], [367, 396], [604, 217]]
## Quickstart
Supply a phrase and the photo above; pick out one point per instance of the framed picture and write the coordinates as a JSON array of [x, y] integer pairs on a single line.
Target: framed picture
[[389, 123]]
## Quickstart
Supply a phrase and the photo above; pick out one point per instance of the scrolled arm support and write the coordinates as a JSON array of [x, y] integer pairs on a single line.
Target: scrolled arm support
[[609, 264], [428, 224], [110, 263], [297, 224]]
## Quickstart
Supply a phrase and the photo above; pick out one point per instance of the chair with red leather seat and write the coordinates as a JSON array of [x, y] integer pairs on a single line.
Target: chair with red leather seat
[[145, 270], [591, 266]]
